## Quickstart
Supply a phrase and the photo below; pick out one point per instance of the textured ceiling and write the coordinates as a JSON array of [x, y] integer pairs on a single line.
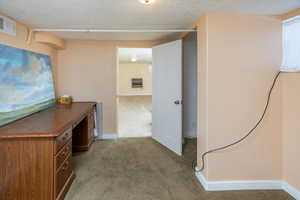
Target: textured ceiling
[[141, 54], [130, 14]]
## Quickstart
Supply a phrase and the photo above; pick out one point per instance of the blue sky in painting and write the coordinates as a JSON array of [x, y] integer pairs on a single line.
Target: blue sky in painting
[[25, 79]]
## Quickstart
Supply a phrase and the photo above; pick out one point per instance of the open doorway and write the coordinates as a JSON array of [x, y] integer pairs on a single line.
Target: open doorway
[[189, 85], [157, 92], [134, 92], [190, 95]]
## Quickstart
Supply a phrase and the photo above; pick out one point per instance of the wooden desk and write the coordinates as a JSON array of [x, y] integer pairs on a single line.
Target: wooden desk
[[36, 152]]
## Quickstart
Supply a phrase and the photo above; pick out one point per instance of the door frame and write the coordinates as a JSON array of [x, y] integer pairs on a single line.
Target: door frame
[[150, 45]]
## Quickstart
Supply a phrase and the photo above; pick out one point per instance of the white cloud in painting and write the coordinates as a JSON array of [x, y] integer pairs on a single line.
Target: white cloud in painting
[[34, 85]]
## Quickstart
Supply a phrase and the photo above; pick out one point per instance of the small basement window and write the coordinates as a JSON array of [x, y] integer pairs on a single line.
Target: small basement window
[[291, 45], [137, 83]]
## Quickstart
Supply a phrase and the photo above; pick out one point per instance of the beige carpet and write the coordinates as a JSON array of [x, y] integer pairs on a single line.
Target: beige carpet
[[134, 116], [141, 169]]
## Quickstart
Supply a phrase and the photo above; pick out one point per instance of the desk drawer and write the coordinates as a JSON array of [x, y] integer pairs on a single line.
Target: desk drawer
[[63, 174], [63, 154], [62, 139]]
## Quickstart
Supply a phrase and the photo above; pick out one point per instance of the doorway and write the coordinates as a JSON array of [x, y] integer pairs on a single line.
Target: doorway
[[149, 97], [134, 95]]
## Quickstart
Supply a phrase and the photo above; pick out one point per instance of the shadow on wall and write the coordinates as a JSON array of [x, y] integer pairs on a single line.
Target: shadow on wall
[[190, 86]]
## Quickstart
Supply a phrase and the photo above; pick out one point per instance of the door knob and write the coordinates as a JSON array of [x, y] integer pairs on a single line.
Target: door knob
[[177, 102]]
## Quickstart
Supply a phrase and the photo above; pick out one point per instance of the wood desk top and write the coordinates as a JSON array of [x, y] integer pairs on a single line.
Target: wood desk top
[[47, 123]]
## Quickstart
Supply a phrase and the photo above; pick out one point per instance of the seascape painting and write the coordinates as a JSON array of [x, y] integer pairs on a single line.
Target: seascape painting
[[26, 83]]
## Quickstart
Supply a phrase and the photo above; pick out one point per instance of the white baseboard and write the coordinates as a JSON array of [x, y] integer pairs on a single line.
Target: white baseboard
[[291, 190], [202, 180], [238, 185], [111, 136], [247, 185]]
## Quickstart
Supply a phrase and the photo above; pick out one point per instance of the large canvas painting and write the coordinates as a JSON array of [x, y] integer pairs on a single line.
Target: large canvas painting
[[26, 83]]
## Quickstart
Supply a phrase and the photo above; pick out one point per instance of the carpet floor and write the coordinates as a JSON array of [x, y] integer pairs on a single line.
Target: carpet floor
[[141, 169]]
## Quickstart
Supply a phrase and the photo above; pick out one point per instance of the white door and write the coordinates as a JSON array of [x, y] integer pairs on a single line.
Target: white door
[[166, 95]]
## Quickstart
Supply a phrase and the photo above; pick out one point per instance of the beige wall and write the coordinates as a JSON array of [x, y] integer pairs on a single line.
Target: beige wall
[[128, 71], [291, 128], [88, 71], [202, 126], [20, 41], [239, 56]]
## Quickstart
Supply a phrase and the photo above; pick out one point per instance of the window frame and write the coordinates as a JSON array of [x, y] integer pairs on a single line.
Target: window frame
[[284, 66]]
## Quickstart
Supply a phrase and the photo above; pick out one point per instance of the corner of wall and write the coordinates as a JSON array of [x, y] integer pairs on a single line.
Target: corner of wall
[[202, 129], [225, 80]]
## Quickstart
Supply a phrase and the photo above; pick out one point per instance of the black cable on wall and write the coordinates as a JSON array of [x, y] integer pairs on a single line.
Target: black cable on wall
[[246, 136]]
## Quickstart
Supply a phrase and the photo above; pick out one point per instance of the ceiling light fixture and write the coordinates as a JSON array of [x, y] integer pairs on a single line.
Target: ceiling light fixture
[[147, 2], [133, 59]]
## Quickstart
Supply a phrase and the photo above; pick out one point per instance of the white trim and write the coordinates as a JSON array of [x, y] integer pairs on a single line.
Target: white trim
[[291, 190], [247, 185], [238, 185], [291, 20], [202, 180], [289, 70], [111, 136], [243, 185]]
